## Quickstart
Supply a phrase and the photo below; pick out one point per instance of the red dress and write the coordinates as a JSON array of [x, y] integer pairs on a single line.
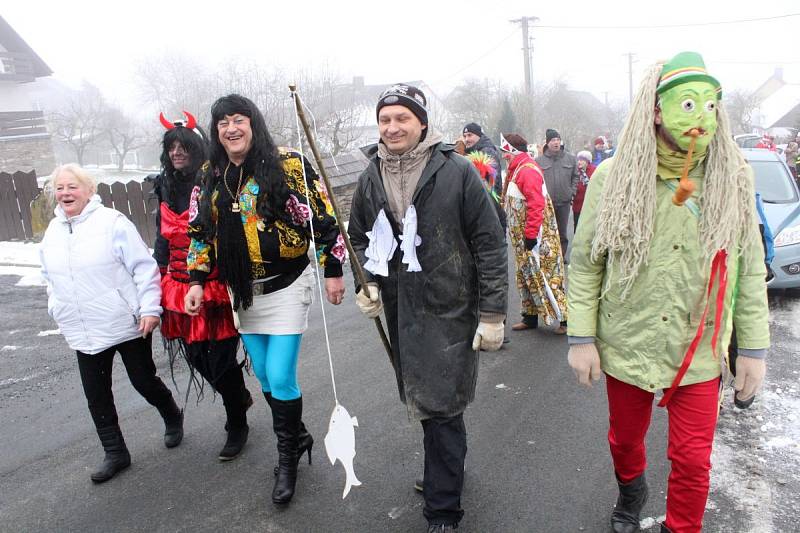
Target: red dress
[[215, 321]]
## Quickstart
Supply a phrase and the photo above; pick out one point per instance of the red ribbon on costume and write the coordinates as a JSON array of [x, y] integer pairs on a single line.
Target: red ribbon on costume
[[719, 268]]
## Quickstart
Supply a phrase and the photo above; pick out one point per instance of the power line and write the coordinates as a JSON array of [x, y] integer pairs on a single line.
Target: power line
[[481, 58], [667, 26]]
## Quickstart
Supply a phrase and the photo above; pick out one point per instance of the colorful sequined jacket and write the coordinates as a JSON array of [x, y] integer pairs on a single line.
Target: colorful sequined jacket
[[275, 247]]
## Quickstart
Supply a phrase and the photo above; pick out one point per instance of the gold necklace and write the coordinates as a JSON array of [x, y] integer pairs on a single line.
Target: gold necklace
[[235, 204]]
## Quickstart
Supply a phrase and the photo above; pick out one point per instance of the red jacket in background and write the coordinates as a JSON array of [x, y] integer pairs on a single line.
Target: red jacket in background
[[529, 179], [580, 192]]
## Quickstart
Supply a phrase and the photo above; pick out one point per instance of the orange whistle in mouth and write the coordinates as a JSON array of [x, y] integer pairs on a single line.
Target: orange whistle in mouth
[[686, 187]]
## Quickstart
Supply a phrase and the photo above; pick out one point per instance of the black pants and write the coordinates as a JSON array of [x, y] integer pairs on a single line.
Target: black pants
[[445, 450], [95, 369], [562, 220]]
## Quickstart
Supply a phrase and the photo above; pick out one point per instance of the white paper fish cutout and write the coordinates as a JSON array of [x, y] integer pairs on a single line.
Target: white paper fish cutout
[[381, 247], [340, 443], [410, 240]]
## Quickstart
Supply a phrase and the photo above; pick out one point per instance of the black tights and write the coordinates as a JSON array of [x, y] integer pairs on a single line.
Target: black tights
[[217, 364]]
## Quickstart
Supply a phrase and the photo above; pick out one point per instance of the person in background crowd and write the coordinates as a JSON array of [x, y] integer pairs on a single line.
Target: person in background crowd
[[790, 155], [534, 239], [585, 171], [561, 177], [476, 141], [209, 341], [599, 154], [767, 142], [251, 216], [104, 294]]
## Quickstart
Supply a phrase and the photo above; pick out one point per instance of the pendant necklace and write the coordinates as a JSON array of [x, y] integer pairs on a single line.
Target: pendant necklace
[[235, 204]]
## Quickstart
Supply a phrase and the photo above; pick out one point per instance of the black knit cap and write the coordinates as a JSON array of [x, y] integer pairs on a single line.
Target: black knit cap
[[551, 134], [406, 96], [473, 128]]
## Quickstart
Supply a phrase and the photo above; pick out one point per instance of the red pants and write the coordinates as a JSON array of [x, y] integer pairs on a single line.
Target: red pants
[[692, 415]]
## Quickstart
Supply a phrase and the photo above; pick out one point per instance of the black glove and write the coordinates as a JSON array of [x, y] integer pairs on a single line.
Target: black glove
[[530, 243], [770, 273]]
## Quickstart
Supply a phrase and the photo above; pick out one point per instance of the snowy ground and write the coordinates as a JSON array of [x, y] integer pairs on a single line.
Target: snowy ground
[[755, 482], [756, 459]]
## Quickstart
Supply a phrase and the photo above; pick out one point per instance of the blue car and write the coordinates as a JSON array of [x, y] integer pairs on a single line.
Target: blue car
[[781, 199]]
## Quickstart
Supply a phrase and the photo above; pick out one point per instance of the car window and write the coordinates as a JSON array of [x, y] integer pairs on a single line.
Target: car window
[[773, 182], [749, 142]]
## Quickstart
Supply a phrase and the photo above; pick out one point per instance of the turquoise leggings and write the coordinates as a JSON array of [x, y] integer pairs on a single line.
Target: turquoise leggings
[[274, 361]]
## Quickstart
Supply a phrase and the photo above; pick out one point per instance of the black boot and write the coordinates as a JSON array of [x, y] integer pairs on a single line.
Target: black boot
[[306, 441], [236, 426], [665, 529], [117, 456], [173, 423], [631, 500], [286, 417]]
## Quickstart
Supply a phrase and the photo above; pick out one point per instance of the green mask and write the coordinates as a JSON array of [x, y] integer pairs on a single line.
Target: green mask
[[692, 104]]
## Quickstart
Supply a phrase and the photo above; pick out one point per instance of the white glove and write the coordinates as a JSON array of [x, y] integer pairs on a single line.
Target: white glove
[[749, 376], [370, 301], [585, 362], [489, 336]]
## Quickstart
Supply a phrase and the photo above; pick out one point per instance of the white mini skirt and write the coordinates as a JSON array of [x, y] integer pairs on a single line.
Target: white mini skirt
[[283, 312]]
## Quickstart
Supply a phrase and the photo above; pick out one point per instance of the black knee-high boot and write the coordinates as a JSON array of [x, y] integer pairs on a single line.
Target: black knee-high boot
[[286, 424], [305, 440], [237, 400], [117, 457]]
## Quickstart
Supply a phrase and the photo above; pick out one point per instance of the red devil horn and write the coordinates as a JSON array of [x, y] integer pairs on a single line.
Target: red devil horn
[[164, 122], [191, 122]]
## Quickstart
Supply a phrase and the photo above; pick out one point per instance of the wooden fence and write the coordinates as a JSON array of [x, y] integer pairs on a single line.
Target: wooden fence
[[19, 190], [136, 201]]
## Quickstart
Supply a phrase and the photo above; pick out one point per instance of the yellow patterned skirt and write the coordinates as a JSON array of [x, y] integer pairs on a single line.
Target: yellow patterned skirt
[[540, 272]]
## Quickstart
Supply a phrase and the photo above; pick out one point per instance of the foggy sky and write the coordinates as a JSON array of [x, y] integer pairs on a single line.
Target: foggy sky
[[439, 42]]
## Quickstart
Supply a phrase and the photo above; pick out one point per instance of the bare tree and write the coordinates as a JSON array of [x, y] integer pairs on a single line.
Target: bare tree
[[123, 134], [80, 124], [741, 105]]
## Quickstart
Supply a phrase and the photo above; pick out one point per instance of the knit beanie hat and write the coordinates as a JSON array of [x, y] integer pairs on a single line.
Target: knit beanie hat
[[473, 128], [599, 140], [406, 96], [551, 134], [585, 155]]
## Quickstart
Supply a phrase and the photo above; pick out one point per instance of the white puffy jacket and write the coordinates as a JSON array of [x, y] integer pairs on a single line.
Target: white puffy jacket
[[100, 277]]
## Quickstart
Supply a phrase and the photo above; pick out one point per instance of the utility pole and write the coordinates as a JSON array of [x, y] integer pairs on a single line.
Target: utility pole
[[527, 50], [630, 77]]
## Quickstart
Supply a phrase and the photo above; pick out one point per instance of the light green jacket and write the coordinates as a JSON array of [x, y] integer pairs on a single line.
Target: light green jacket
[[642, 339]]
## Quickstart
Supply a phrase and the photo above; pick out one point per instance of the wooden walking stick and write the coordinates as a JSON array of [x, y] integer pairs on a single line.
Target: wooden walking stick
[[359, 271], [686, 187]]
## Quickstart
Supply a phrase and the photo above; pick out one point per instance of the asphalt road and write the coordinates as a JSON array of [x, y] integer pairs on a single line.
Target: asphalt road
[[538, 457]]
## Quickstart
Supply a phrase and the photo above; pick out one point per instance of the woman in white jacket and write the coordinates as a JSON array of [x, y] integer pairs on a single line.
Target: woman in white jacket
[[104, 293]]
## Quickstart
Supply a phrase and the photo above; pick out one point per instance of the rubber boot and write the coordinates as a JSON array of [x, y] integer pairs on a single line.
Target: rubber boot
[[306, 441], [173, 423], [631, 500], [117, 457], [286, 417]]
